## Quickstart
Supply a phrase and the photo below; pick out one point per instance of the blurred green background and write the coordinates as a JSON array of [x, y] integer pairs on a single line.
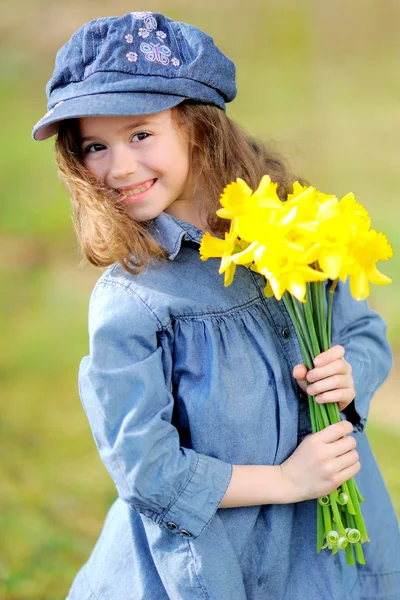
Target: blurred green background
[[317, 79]]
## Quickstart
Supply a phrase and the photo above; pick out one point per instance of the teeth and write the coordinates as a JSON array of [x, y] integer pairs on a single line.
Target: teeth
[[139, 189]]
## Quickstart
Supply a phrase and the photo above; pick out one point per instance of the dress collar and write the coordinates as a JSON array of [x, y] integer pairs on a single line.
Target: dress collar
[[170, 233]]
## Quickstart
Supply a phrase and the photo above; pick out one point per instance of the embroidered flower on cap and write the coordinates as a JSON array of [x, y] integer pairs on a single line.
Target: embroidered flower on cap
[[129, 38], [143, 32], [161, 35], [175, 62], [131, 56], [156, 53], [139, 15]]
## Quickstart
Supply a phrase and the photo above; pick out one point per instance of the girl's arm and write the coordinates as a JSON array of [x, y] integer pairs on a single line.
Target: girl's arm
[[321, 463], [126, 391]]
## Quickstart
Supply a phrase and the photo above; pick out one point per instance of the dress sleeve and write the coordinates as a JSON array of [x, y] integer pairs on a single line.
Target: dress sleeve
[[362, 332], [129, 405]]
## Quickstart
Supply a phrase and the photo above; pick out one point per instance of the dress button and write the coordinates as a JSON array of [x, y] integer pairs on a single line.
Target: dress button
[[186, 533], [286, 333], [172, 526]]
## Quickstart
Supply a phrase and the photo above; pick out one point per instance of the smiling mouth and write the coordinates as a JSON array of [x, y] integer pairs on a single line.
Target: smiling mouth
[[137, 190]]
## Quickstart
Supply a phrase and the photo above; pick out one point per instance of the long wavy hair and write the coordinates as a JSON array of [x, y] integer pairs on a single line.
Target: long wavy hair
[[219, 152]]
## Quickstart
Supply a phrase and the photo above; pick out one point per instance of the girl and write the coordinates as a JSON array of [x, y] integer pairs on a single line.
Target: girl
[[195, 392]]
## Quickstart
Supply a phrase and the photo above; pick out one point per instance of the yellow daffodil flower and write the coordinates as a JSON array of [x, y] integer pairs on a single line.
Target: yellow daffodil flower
[[283, 241], [365, 252]]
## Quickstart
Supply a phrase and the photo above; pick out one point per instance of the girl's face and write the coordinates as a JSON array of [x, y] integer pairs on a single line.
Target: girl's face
[[144, 159]]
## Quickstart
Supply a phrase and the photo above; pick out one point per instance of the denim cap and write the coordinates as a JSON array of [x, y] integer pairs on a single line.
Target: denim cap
[[141, 63]]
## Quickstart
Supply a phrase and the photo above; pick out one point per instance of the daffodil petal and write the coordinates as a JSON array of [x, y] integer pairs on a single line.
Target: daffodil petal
[[378, 278], [229, 274], [331, 264], [223, 213], [211, 247], [359, 287]]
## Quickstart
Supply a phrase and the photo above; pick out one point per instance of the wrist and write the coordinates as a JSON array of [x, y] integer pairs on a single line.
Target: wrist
[[290, 493]]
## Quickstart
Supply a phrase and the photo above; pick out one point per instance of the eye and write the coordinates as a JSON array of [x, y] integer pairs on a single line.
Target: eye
[[140, 136], [93, 148]]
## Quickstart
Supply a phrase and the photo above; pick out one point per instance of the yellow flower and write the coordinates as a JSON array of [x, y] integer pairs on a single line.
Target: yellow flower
[[365, 251], [234, 199], [211, 247], [238, 198], [284, 240], [286, 269]]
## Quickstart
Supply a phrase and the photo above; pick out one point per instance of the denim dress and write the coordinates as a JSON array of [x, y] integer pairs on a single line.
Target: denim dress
[[186, 378]]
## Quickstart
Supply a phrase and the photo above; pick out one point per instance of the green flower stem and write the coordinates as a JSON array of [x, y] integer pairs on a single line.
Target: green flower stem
[[350, 555], [349, 548], [332, 413], [289, 303], [313, 416], [350, 505], [298, 309], [326, 513], [318, 416], [310, 325], [320, 527], [360, 498], [316, 311], [330, 309], [358, 522], [324, 414], [321, 297], [359, 553], [336, 515]]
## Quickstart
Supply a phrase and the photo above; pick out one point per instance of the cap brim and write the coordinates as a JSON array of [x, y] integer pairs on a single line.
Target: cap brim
[[114, 104]]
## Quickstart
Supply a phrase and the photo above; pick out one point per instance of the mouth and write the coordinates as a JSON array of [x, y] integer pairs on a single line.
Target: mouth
[[135, 190]]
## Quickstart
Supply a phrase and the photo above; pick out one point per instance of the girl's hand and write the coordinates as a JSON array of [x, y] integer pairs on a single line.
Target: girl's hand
[[331, 379], [321, 463]]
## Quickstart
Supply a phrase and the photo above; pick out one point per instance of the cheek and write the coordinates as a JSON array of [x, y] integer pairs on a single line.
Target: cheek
[[96, 168]]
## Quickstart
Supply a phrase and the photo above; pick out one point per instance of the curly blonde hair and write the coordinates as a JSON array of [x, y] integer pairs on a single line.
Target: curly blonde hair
[[220, 151]]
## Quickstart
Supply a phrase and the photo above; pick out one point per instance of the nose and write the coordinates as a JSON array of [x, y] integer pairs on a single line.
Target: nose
[[122, 163]]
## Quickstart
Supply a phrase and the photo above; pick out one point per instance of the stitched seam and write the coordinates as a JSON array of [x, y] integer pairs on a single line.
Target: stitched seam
[[133, 292], [193, 317], [353, 587], [182, 490], [219, 313], [260, 293], [90, 587], [177, 246], [378, 573], [217, 505], [197, 571]]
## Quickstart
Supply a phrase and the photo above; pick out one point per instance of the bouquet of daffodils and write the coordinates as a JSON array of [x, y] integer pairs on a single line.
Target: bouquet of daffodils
[[297, 245]]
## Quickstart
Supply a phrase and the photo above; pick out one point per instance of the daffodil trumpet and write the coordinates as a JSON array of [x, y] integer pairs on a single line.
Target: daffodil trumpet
[[298, 246]]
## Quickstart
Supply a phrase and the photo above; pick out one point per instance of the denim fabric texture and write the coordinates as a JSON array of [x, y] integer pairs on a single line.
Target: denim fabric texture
[[141, 63], [186, 378]]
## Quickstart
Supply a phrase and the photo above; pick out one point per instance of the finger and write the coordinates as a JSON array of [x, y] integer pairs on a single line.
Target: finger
[[330, 383], [300, 372], [343, 445], [346, 460], [339, 366], [329, 355], [342, 396], [348, 473], [335, 432]]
